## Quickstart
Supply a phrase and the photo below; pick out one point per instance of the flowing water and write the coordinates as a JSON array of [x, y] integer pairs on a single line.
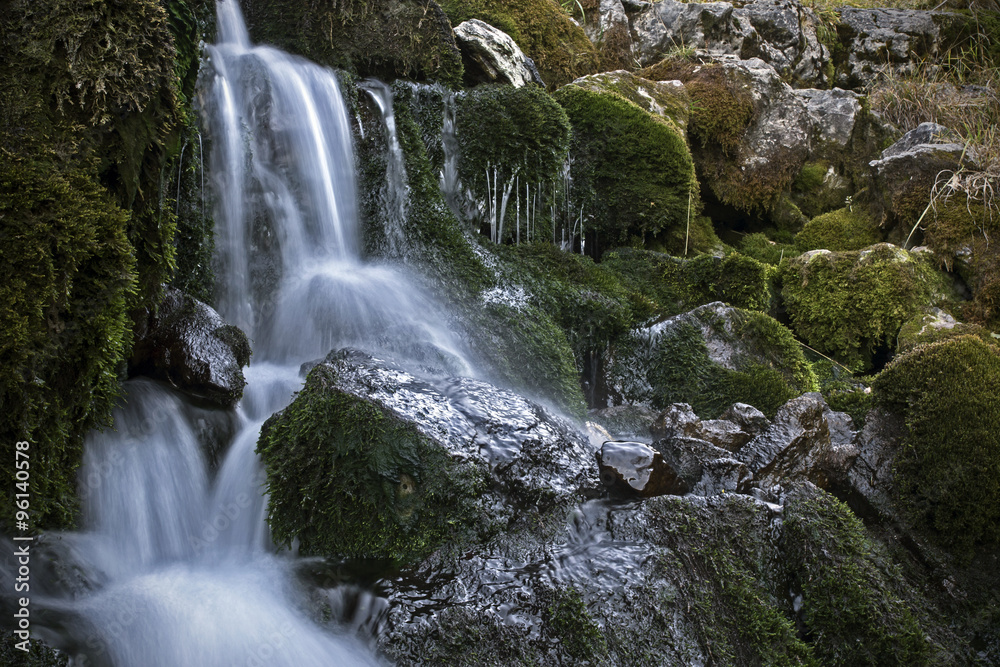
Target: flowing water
[[175, 565]]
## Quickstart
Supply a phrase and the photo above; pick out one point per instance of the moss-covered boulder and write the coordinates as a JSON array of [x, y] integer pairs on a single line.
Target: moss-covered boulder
[[543, 30], [935, 325], [387, 39], [844, 229], [851, 305], [633, 177], [388, 466], [710, 358], [669, 99], [949, 466]]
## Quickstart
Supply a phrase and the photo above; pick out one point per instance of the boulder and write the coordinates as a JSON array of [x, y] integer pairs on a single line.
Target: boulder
[[189, 345], [710, 358], [780, 32], [679, 420], [633, 469], [491, 56], [393, 466], [668, 99]]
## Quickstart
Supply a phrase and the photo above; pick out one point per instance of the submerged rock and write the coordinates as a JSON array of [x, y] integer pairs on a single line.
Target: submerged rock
[[190, 346]]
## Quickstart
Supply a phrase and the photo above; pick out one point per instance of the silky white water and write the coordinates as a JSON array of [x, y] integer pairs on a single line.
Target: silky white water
[[174, 566]]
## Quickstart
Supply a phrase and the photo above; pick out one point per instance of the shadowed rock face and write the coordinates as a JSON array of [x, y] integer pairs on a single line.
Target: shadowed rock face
[[190, 346]]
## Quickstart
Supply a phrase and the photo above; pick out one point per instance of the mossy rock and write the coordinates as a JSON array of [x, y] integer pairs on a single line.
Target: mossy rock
[[948, 471], [558, 46], [765, 250], [844, 229], [392, 467], [710, 358], [819, 188], [633, 175], [661, 98], [67, 275], [936, 325], [509, 137], [386, 39], [852, 612], [850, 305]]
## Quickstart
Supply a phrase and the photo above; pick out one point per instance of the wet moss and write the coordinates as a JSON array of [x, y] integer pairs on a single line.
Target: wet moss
[[632, 175], [387, 39], [851, 304], [851, 611], [844, 229], [542, 29], [366, 483], [948, 471], [570, 621]]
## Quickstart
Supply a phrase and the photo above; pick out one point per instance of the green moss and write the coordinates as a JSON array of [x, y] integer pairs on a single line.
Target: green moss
[[844, 229], [768, 371], [632, 174], [366, 484], [383, 38], [541, 28], [66, 277], [949, 469], [849, 304], [569, 620], [671, 102], [38, 655], [851, 612], [842, 390], [818, 188], [927, 328], [763, 249]]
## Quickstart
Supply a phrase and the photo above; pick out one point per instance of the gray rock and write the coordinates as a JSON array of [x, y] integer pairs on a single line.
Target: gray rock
[[807, 441], [747, 417], [190, 346], [633, 469], [495, 54], [680, 421], [871, 478]]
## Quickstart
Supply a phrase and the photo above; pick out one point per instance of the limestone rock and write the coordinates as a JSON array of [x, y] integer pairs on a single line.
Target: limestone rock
[[189, 345], [493, 55]]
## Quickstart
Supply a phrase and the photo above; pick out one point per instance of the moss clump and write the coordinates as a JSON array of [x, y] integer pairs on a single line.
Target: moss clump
[[851, 304], [387, 39], [763, 249], [670, 363], [818, 188], [851, 612], [948, 471], [541, 28], [935, 326], [843, 229], [666, 285], [632, 175], [66, 277], [569, 620], [366, 483], [506, 133], [671, 102]]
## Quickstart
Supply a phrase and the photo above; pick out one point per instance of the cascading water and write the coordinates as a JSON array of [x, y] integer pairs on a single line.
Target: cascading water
[[175, 565]]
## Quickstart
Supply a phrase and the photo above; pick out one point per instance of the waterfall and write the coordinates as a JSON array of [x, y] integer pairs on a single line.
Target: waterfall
[[174, 565]]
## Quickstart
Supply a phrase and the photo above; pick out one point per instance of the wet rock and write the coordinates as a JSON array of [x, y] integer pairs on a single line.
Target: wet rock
[[632, 469], [492, 56], [680, 421], [747, 417], [871, 478], [393, 466], [190, 346], [626, 422], [806, 441]]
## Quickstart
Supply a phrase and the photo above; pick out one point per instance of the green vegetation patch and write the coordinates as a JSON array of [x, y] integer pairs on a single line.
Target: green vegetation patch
[[670, 363], [542, 28], [347, 477], [848, 304], [850, 608], [844, 229], [633, 176], [948, 471]]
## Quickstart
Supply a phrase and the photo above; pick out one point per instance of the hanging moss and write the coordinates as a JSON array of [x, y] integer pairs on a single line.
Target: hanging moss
[[632, 174], [948, 471], [542, 29], [387, 39], [367, 484], [66, 277], [843, 229], [850, 304]]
